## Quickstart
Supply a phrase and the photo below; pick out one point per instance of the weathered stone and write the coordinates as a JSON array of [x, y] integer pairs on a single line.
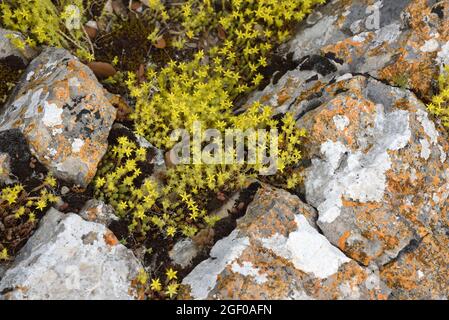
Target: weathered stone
[[277, 253], [5, 169], [8, 50], [61, 109], [402, 42], [97, 211], [183, 253], [379, 172], [421, 273], [69, 258]]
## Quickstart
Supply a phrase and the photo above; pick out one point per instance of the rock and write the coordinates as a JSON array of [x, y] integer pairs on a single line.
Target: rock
[[183, 253], [64, 190], [379, 170], [97, 211], [69, 258], [421, 273], [5, 169], [403, 42], [62, 111], [276, 252], [8, 50]]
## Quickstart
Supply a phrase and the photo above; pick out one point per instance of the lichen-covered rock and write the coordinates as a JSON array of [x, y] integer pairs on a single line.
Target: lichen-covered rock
[[62, 110], [402, 42], [183, 253], [69, 258], [379, 172], [98, 211], [5, 169], [8, 50], [422, 271], [276, 252]]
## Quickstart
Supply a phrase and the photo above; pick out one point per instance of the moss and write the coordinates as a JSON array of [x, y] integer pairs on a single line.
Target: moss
[[128, 42]]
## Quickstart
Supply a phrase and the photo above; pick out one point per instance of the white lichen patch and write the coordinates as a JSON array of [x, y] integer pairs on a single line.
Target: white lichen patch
[[204, 277], [443, 56], [77, 144], [52, 114], [344, 173], [30, 75], [432, 133], [74, 82], [248, 270], [425, 149], [307, 249], [341, 122], [431, 45], [428, 126]]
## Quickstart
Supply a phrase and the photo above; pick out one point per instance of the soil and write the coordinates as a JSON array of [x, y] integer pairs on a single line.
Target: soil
[[11, 69]]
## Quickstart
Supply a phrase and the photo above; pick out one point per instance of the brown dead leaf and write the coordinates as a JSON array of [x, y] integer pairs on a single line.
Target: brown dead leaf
[[160, 43], [91, 32], [102, 70], [221, 33], [141, 74]]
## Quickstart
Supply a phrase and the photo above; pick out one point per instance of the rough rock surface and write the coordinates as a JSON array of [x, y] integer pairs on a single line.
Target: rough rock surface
[[378, 173], [8, 50], [61, 109], [402, 42], [69, 258], [97, 211], [183, 253], [379, 169], [276, 252]]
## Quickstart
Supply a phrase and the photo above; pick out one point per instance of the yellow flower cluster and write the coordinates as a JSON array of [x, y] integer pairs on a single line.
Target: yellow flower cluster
[[25, 205], [44, 22], [440, 103], [156, 287], [204, 90]]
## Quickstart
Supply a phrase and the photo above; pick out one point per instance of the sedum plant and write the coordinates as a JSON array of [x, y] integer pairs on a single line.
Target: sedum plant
[[440, 103], [25, 206], [45, 22], [202, 90]]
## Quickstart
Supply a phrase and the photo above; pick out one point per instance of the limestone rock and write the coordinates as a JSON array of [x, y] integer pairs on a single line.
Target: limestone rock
[[277, 253], [420, 272], [97, 211], [69, 258], [379, 169], [62, 110], [402, 42], [8, 50], [5, 169], [183, 253]]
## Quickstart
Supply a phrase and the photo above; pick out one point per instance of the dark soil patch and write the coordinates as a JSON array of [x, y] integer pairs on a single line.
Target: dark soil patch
[[11, 69], [30, 173]]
